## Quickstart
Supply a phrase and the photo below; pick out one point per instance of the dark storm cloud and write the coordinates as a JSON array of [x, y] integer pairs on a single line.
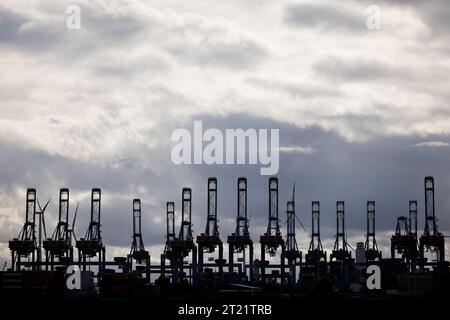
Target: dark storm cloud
[[323, 16]]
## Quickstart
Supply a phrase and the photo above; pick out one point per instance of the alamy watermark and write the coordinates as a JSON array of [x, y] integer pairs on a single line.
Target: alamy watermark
[[236, 146], [373, 281], [73, 278], [373, 21], [73, 19]]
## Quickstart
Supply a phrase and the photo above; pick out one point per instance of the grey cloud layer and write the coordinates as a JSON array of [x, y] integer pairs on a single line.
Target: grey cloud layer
[[338, 170], [325, 16], [96, 107]]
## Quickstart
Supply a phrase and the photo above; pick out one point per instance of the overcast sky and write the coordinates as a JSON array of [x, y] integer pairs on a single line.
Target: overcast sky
[[363, 114]]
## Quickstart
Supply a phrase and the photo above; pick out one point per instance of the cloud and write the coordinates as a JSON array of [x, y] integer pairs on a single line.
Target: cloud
[[433, 13], [96, 106], [317, 178], [144, 62], [324, 17], [233, 55], [209, 41], [10, 24], [430, 144], [299, 149], [294, 90], [359, 70]]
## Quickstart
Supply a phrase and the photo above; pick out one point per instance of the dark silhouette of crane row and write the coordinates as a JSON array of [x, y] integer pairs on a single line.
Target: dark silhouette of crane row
[[182, 263]]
